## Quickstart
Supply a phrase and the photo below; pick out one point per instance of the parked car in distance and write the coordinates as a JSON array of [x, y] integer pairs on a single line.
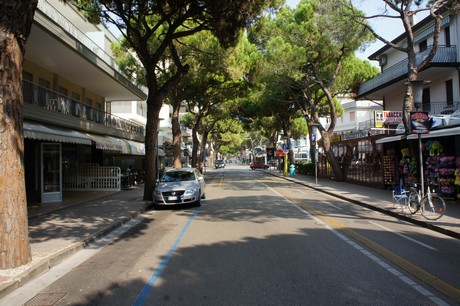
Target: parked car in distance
[[179, 186], [258, 165], [220, 163]]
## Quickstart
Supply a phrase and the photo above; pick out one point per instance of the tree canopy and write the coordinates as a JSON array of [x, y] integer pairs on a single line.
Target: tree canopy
[[155, 28]]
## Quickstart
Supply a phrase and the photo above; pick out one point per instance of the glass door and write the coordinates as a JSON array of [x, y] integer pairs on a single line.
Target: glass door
[[51, 190]]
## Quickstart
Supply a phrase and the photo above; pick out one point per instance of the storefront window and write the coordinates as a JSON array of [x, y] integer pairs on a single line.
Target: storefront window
[[51, 168]]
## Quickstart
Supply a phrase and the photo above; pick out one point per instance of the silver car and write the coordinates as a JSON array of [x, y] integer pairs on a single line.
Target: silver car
[[179, 186]]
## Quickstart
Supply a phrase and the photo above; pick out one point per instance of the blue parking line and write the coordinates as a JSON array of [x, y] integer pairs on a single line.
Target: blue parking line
[[163, 263]]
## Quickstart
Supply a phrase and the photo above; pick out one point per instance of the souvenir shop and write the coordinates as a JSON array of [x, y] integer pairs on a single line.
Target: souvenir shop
[[441, 160]]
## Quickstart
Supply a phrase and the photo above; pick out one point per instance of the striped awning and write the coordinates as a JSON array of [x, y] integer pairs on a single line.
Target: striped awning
[[33, 130], [106, 142]]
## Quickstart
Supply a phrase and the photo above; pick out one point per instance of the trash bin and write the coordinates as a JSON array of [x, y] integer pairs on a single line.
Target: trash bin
[[291, 170]]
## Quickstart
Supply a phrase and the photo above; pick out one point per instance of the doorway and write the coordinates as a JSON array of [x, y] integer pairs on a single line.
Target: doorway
[[51, 174]]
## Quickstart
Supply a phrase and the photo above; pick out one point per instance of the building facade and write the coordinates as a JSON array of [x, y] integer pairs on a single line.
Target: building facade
[[441, 100], [72, 139]]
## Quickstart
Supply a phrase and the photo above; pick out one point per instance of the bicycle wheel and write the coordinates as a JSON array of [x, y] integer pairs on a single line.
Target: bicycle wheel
[[413, 204], [433, 207]]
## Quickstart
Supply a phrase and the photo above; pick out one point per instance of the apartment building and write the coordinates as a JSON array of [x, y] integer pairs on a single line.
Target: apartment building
[[441, 100], [72, 139]]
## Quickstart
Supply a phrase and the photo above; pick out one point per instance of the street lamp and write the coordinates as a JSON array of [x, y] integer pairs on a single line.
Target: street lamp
[[417, 93], [314, 130]]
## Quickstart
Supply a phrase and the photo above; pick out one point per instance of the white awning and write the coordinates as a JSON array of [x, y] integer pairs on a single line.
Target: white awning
[[133, 147], [390, 139], [106, 142], [54, 133], [438, 133]]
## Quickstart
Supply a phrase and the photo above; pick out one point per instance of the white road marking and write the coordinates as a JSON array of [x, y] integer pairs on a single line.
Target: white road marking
[[404, 236], [404, 278]]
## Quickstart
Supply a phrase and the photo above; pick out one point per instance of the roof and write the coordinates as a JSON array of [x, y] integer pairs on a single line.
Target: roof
[[417, 26]]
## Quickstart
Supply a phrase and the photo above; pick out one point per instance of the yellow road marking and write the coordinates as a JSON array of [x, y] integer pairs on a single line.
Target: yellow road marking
[[220, 182], [416, 271]]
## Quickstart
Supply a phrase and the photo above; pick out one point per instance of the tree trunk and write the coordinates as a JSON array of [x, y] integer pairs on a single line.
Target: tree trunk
[[330, 157], [15, 23], [151, 142], [204, 140], [176, 131], [195, 145]]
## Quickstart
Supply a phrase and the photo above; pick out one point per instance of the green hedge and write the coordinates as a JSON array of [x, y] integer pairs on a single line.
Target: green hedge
[[305, 168]]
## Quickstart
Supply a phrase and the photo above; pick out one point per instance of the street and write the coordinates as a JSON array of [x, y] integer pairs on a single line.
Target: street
[[258, 240]]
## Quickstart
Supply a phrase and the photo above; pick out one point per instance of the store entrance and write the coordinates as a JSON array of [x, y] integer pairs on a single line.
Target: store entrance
[[51, 173]]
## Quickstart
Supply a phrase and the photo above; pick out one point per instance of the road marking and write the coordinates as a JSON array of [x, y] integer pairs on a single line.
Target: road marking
[[325, 202], [383, 227], [141, 298], [27, 291], [220, 182], [336, 227], [404, 236]]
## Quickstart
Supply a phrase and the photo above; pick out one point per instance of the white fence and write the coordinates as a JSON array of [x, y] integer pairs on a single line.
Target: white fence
[[91, 177]]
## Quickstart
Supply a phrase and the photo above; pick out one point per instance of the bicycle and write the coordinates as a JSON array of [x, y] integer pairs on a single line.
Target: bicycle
[[432, 206]]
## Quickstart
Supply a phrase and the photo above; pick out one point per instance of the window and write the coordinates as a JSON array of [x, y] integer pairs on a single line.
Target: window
[[423, 45], [426, 100], [352, 116], [62, 90], [447, 36], [28, 88], [449, 92], [43, 83], [26, 76], [75, 96]]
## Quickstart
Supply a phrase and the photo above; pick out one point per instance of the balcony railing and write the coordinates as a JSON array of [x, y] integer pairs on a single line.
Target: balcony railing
[[81, 37], [441, 108], [53, 101], [443, 55]]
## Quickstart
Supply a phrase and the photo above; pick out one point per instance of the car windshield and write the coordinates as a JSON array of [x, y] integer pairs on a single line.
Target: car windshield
[[177, 176]]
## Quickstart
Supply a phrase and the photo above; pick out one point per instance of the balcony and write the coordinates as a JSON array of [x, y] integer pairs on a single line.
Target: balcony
[[441, 108], [76, 33], [51, 101], [444, 55]]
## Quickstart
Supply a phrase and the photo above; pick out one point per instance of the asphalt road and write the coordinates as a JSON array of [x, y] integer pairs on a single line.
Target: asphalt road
[[259, 240]]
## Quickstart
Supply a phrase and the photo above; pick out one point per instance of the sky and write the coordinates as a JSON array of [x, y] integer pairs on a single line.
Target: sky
[[389, 29]]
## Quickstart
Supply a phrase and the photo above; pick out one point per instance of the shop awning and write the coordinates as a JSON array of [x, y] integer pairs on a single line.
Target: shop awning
[[133, 147], [54, 133], [390, 139], [137, 148], [106, 142], [438, 133]]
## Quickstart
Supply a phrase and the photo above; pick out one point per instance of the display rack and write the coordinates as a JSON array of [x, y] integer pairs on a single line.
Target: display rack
[[390, 171]]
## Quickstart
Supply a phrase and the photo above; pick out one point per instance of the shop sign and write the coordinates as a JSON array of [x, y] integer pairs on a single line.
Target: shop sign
[[354, 135], [383, 118], [419, 123], [335, 138]]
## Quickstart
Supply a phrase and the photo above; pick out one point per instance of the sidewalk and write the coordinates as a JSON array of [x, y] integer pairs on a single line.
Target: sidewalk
[[380, 200], [59, 230]]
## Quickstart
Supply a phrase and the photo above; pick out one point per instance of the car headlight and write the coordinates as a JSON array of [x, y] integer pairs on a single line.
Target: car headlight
[[157, 192], [190, 191]]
